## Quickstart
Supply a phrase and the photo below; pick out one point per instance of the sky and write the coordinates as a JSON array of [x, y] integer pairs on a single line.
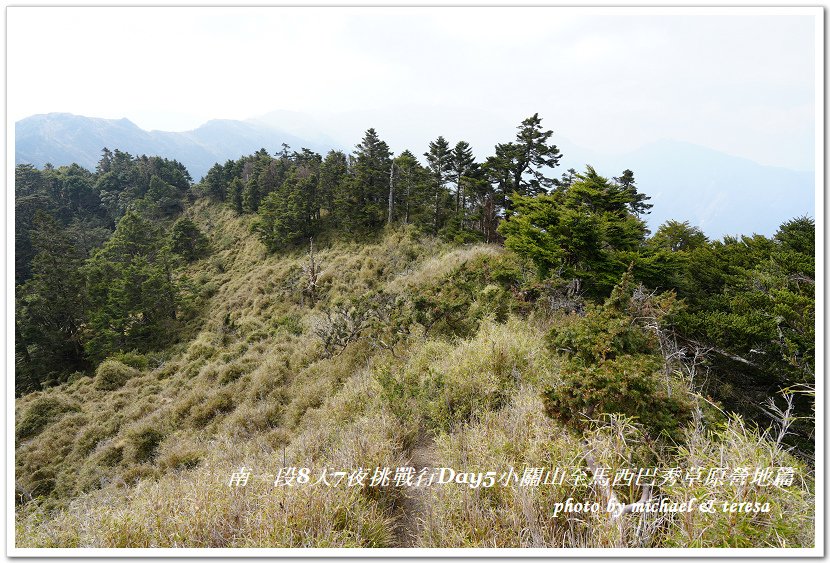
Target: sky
[[608, 80]]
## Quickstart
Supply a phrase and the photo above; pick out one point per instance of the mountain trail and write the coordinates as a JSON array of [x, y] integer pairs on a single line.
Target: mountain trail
[[412, 506]]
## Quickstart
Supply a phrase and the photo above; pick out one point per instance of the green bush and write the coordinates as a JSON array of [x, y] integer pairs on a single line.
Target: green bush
[[132, 359], [627, 385], [613, 366], [455, 304], [492, 301], [292, 324], [108, 455], [444, 386], [76, 376], [136, 473], [42, 481]]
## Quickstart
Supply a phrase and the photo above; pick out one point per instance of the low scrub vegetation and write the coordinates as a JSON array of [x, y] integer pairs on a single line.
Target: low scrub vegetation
[[412, 352]]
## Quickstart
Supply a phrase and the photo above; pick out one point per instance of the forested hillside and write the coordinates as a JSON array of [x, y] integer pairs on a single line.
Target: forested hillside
[[413, 310]]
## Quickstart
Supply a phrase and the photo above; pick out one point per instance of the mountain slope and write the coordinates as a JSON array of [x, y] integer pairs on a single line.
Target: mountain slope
[[149, 462], [63, 138]]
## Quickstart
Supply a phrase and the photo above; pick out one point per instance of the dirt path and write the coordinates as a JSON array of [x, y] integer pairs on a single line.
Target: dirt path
[[412, 505]]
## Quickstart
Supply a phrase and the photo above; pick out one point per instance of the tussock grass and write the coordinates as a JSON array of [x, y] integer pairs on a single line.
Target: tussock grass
[[439, 266], [40, 413], [517, 435], [445, 385], [112, 374], [196, 508]]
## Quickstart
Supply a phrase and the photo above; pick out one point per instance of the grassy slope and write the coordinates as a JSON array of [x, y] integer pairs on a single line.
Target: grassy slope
[[147, 464]]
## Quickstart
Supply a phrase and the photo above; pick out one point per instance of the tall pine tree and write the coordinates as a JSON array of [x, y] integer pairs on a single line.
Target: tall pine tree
[[362, 201], [50, 309], [132, 296], [439, 163]]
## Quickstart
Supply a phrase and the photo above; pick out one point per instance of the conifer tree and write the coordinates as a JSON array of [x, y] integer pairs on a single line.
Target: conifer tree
[[361, 202], [333, 173], [439, 163], [251, 195], [164, 196], [287, 215], [235, 195], [132, 296], [676, 236], [580, 232], [411, 190], [50, 308], [461, 166], [187, 239], [215, 182], [522, 166], [638, 201]]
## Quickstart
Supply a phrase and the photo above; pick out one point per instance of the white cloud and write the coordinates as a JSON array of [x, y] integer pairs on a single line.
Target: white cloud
[[611, 82]]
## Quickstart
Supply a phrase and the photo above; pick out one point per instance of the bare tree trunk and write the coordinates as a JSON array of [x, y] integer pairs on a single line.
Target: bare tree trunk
[[391, 190], [312, 270], [437, 206], [408, 187], [457, 193], [463, 202]]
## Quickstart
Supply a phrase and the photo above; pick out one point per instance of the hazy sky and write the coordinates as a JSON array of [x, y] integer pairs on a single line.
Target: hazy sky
[[742, 84]]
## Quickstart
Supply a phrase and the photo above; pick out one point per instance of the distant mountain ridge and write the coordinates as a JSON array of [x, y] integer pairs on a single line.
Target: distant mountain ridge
[[720, 193], [64, 138]]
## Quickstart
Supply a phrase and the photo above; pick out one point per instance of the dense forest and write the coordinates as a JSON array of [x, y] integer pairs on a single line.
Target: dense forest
[[292, 302]]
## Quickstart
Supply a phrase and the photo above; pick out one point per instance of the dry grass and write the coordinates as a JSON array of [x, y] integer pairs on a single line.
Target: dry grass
[[439, 266], [144, 460], [791, 520], [502, 516]]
